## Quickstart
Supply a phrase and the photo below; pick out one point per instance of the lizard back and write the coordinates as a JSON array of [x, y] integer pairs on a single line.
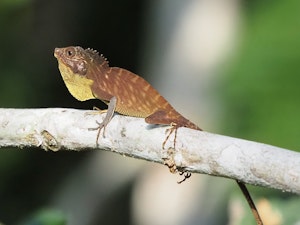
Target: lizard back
[[136, 97]]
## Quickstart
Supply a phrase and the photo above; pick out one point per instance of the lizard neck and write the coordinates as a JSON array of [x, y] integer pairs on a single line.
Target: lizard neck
[[79, 86]]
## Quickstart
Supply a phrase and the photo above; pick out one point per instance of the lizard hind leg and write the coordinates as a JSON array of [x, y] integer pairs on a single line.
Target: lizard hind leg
[[171, 130], [163, 118], [109, 114]]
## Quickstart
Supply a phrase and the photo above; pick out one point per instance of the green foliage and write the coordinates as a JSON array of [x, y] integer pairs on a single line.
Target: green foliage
[[47, 217], [261, 92], [6, 5], [274, 210], [262, 85]]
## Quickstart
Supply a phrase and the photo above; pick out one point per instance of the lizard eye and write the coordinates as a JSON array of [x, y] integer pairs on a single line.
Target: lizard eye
[[70, 52]]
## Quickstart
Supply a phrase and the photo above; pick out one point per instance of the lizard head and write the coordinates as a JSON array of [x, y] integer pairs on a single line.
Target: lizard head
[[75, 64], [80, 60]]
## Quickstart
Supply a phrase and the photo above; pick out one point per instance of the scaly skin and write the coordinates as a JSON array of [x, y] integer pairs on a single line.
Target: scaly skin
[[88, 76]]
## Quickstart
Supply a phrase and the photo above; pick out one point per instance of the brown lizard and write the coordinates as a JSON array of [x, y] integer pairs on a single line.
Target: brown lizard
[[88, 75]]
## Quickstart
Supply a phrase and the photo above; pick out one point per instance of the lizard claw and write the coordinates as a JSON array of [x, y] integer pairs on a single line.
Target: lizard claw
[[186, 176]]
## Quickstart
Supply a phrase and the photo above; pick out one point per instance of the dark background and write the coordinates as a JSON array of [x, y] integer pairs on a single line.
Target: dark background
[[30, 30]]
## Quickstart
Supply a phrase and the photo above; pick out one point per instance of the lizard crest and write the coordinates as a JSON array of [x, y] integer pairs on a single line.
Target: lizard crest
[[94, 56], [79, 60]]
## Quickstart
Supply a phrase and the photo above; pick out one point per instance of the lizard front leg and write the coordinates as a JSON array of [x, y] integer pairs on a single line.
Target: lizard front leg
[[109, 114]]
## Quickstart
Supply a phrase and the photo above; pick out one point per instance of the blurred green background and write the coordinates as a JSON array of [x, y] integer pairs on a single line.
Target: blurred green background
[[257, 87]]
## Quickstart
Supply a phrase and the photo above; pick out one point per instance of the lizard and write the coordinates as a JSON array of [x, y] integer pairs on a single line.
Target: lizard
[[87, 75]]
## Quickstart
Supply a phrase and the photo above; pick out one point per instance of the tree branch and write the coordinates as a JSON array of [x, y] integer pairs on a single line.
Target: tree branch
[[196, 151]]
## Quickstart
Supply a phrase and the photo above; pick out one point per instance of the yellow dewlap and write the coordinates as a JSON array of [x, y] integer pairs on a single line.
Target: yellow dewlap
[[79, 86]]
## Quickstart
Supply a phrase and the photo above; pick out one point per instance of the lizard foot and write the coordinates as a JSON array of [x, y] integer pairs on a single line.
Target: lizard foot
[[170, 163], [99, 128], [96, 111], [109, 113]]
